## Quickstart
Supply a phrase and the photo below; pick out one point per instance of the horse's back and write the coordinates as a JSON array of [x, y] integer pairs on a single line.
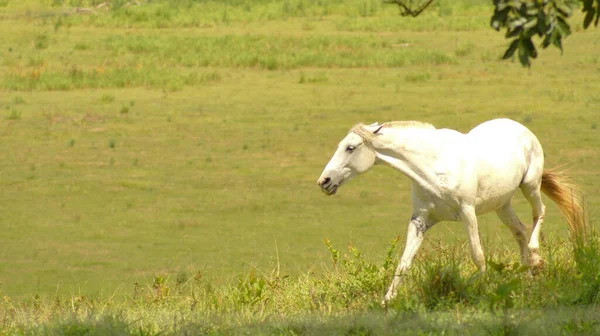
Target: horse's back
[[501, 126], [504, 136]]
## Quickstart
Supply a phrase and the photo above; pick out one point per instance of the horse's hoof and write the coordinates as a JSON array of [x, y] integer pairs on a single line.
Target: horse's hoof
[[536, 265], [387, 299]]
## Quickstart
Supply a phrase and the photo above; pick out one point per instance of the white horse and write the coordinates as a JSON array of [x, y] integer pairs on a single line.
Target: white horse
[[456, 177]]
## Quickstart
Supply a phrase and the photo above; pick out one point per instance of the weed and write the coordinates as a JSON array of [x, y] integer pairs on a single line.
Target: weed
[[250, 290], [16, 100], [58, 24], [444, 285], [588, 266], [318, 78], [416, 78], [41, 41], [81, 46], [107, 98], [13, 114], [308, 26], [465, 49], [36, 61]]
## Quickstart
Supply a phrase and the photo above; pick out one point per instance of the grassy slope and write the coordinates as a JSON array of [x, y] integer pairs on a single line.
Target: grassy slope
[[128, 150], [441, 296]]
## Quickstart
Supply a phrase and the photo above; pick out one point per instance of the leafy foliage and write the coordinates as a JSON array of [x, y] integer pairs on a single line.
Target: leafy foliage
[[588, 269], [525, 19], [443, 285], [591, 8]]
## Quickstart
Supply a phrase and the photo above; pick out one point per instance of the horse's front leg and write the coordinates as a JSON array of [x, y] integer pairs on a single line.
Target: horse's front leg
[[414, 237]]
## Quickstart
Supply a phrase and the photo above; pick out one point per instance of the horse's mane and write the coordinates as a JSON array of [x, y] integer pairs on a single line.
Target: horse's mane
[[368, 136]]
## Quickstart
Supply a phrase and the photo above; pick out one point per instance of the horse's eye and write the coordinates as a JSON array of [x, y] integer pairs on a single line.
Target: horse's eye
[[350, 149]]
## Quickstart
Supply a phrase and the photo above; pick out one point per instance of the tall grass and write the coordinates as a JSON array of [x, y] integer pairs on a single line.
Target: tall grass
[[443, 294], [76, 78], [274, 52], [160, 62], [191, 13]]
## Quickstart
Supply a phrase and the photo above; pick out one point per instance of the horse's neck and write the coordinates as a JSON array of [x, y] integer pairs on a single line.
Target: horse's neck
[[414, 153]]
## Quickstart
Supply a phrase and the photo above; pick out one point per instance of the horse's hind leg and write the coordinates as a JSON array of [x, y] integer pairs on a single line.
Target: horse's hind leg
[[469, 218], [531, 191], [509, 218]]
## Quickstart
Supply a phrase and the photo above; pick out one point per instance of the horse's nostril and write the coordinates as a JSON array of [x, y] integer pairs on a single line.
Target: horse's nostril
[[325, 181]]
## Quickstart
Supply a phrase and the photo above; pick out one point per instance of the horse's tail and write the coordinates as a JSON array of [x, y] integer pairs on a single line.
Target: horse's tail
[[565, 193]]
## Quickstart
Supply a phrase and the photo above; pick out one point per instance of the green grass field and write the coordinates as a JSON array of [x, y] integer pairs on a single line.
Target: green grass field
[[185, 138]]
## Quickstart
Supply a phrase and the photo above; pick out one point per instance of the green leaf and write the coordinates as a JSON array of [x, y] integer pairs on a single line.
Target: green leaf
[[513, 33], [509, 303], [588, 19], [530, 48], [499, 267], [541, 26], [597, 13], [557, 40], [506, 288], [563, 10], [501, 5], [532, 11], [563, 26], [499, 18], [508, 54], [547, 41], [531, 23], [524, 53], [588, 5], [517, 23], [530, 28]]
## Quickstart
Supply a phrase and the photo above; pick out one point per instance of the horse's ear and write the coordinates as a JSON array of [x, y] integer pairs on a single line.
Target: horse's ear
[[378, 129]]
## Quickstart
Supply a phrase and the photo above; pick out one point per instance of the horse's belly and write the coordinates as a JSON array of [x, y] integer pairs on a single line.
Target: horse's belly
[[494, 195], [491, 204]]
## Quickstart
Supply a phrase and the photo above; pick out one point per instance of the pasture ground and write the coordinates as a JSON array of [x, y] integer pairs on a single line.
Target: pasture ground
[[175, 141]]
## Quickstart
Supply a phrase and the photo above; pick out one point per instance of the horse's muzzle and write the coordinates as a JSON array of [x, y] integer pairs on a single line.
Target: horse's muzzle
[[330, 191], [327, 187]]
